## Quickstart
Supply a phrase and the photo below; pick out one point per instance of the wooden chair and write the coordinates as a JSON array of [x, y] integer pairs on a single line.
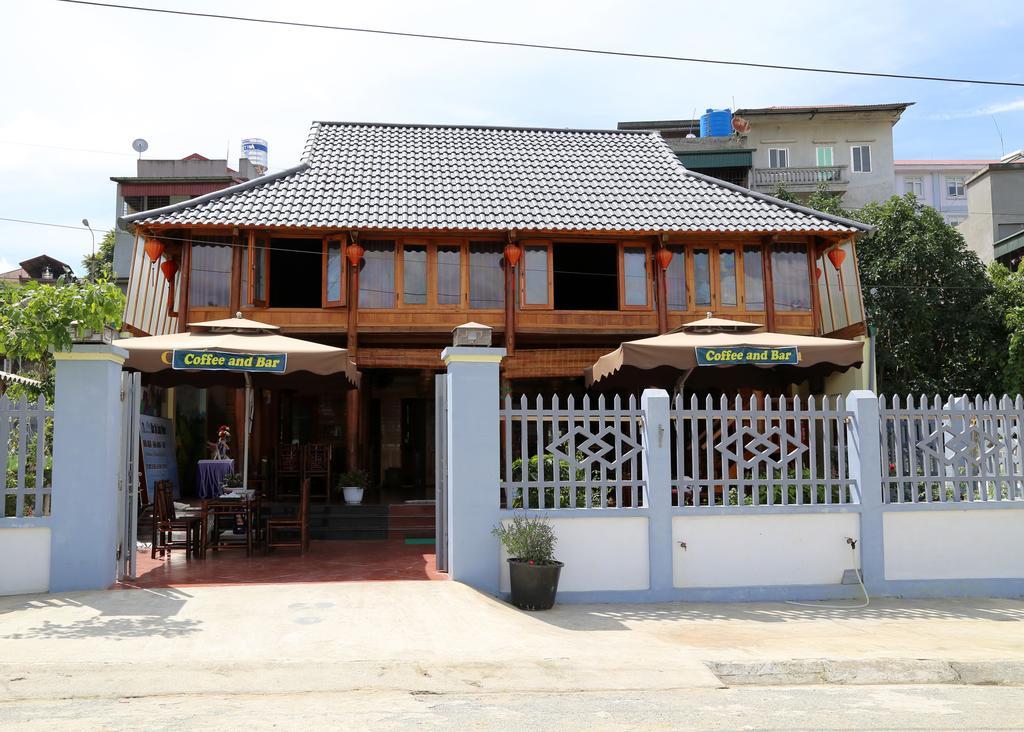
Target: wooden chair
[[289, 468], [316, 463], [166, 524], [297, 525]]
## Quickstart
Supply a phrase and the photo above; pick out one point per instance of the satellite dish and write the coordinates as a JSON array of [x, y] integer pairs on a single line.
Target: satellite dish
[[740, 125], [140, 146]]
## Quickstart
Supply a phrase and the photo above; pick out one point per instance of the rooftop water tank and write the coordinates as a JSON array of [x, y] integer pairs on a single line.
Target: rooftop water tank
[[255, 150], [716, 123]]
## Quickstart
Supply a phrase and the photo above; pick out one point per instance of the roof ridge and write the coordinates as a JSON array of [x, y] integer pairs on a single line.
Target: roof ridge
[[510, 128]]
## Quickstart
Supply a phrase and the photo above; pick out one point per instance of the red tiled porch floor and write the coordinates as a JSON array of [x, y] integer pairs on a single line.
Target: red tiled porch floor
[[326, 561]]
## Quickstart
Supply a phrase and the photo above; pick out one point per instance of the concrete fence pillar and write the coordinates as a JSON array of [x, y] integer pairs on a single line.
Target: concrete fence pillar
[[865, 464], [657, 464], [474, 464], [86, 451]]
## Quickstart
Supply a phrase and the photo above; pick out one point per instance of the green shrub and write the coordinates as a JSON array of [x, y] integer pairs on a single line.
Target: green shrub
[[528, 539]]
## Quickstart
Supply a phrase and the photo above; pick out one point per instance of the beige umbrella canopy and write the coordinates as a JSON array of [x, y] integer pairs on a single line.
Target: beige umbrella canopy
[[240, 353], [715, 352], [156, 355]]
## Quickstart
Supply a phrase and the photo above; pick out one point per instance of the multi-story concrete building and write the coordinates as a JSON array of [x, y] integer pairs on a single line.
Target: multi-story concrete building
[[940, 184], [995, 206], [848, 148]]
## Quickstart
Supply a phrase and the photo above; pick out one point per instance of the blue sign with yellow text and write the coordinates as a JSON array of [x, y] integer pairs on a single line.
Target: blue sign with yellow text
[[190, 360], [747, 356]]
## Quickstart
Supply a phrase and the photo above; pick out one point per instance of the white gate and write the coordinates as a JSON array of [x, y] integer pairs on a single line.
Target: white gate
[[128, 475]]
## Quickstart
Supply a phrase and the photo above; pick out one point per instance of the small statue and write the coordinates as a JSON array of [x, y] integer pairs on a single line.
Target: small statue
[[223, 438]]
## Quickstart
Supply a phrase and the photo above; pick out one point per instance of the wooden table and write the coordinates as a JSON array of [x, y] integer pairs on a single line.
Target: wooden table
[[216, 509]]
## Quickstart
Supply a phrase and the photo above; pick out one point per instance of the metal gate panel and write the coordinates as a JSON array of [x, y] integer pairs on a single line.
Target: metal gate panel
[[128, 476], [441, 471]]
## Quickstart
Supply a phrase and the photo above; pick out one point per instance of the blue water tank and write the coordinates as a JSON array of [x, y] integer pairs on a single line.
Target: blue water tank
[[716, 123]]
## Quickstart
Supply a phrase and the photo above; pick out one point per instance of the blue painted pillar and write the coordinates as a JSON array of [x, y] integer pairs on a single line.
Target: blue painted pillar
[[865, 464], [658, 474], [86, 453], [474, 465]]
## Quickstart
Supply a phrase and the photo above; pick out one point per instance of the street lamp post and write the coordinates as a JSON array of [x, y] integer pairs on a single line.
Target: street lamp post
[[85, 223]]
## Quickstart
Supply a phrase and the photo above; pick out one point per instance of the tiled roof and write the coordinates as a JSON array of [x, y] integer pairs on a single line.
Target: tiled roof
[[387, 176]]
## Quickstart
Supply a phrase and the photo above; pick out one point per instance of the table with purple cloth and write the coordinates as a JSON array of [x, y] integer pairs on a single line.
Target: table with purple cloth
[[210, 474]]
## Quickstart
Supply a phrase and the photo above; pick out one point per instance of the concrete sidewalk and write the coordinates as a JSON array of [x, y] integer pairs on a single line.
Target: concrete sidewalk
[[443, 637]]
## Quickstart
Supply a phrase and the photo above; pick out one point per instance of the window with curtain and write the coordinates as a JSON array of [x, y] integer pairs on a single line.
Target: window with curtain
[[675, 279], [449, 276], [790, 277], [377, 275], [634, 269], [727, 296], [486, 276], [209, 283], [753, 278], [414, 274], [861, 157], [335, 271], [702, 277], [535, 276]]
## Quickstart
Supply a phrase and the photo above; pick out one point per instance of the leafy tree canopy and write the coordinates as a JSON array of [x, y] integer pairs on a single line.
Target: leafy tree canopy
[[100, 266], [1008, 301], [35, 318]]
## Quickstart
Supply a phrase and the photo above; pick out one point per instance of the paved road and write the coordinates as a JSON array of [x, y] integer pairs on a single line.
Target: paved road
[[776, 708]]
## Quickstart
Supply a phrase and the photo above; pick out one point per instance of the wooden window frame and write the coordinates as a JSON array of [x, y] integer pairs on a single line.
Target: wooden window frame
[[430, 296], [397, 243], [810, 273], [648, 280], [537, 244], [674, 247], [716, 277], [264, 240], [433, 272], [343, 299], [741, 250], [468, 301]]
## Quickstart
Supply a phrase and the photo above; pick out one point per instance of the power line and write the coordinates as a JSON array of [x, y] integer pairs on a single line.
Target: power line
[[58, 226], [61, 147], [547, 47]]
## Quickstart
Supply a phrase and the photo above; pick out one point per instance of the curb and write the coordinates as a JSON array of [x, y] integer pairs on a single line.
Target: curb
[[799, 672]]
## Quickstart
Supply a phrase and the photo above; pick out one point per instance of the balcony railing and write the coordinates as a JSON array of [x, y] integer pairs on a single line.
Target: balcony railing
[[830, 174]]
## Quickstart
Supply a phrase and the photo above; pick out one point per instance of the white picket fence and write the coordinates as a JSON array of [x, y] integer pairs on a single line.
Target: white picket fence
[[760, 452], [950, 450], [25, 440], [559, 455]]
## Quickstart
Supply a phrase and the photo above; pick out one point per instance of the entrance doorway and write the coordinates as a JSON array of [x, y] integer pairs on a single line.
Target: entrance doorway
[[400, 435]]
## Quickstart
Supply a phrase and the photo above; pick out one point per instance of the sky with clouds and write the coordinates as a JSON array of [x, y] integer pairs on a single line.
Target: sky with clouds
[[79, 83]]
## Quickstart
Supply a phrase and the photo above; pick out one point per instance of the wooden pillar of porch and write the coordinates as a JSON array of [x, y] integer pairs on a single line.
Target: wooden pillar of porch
[[353, 398], [237, 262], [769, 285]]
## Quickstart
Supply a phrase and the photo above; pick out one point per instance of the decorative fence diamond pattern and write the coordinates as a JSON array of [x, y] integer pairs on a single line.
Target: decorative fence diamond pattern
[[956, 449], [25, 441], [562, 456], [773, 453]]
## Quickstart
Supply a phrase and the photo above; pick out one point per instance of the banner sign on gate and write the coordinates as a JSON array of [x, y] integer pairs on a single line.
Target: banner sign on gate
[[194, 360], [747, 355]]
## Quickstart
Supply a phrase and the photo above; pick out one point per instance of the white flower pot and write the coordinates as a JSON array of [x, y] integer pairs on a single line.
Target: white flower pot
[[353, 494]]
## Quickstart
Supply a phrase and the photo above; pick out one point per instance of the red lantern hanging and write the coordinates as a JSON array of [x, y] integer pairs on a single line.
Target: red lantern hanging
[[355, 253], [836, 257], [817, 272], [512, 254], [154, 248], [664, 257], [169, 268]]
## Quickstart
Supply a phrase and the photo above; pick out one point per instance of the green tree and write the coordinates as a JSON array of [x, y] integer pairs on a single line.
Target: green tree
[[100, 266], [783, 194], [938, 323], [1008, 302], [35, 319]]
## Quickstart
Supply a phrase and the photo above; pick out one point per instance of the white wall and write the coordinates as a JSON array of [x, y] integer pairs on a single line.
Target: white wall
[[599, 554], [953, 544], [763, 550], [24, 561]]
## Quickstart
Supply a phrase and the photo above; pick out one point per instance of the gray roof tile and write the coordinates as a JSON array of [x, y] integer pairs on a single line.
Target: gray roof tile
[[386, 176]]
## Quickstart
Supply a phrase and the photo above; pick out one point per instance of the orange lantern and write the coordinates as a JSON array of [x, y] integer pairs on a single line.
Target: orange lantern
[[154, 248], [664, 257], [817, 272], [836, 257], [354, 252], [512, 254], [169, 268]]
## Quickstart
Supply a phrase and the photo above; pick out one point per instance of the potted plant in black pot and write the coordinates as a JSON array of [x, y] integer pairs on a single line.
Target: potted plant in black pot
[[532, 567]]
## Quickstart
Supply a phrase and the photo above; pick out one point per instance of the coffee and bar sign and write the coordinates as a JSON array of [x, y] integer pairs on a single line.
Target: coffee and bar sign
[[188, 360], [747, 355]]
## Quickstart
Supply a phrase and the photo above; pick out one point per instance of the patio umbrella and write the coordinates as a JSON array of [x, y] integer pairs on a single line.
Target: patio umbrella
[[719, 352], [240, 353]]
